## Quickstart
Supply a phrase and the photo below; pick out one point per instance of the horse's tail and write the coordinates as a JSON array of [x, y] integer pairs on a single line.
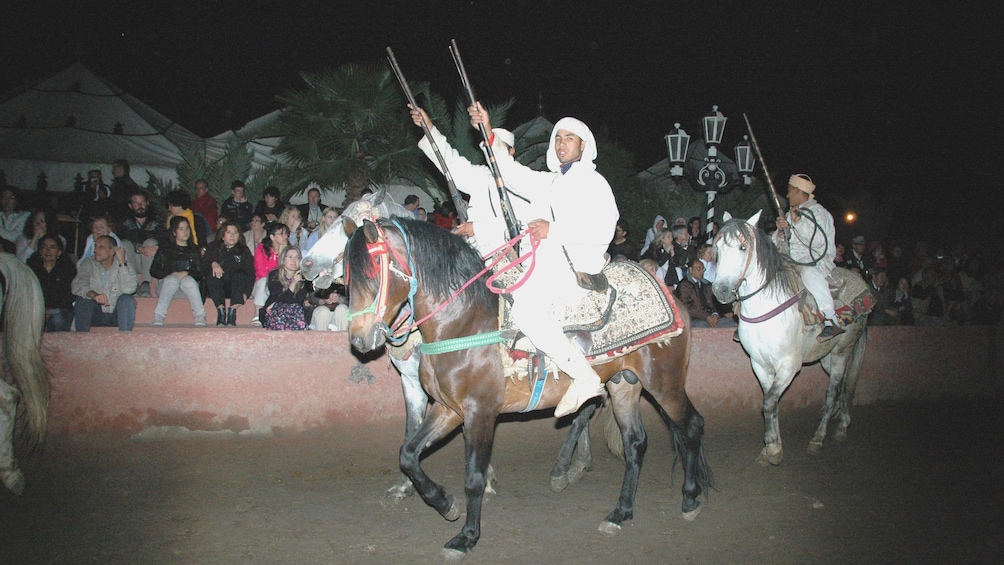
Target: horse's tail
[[853, 371], [691, 442], [24, 306]]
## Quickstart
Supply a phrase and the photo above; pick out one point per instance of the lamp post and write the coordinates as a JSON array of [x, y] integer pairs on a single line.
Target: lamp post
[[714, 129], [677, 143]]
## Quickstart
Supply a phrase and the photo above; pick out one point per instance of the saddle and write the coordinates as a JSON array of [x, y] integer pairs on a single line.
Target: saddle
[[852, 298], [635, 310]]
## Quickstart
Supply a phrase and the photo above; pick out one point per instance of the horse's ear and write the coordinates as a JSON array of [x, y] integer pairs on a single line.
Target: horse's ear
[[379, 195], [370, 231], [349, 226], [755, 218], [726, 217]]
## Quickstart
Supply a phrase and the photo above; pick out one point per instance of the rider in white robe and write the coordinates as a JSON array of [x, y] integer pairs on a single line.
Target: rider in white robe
[[577, 214], [811, 245]]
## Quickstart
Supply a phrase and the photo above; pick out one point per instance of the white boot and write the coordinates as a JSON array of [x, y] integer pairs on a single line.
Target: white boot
[[585, 385]]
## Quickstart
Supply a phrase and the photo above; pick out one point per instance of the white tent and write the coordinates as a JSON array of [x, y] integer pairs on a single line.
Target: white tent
[[75, 121]]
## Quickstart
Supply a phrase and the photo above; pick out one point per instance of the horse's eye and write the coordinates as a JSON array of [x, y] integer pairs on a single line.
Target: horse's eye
[[742, 247]]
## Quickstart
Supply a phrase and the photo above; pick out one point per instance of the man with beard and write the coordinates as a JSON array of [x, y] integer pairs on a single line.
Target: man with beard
[[140, 232]]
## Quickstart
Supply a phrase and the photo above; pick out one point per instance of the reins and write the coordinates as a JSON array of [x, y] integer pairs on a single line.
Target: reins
[[742, 278]]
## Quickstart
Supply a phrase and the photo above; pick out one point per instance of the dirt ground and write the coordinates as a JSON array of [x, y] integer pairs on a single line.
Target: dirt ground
[[914, 483]]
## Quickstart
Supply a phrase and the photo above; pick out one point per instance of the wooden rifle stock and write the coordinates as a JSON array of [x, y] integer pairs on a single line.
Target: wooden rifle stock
[[458, 200], [510, 220]]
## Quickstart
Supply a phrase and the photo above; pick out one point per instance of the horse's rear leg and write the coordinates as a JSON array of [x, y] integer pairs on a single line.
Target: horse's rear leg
[[834, 364], [850, 384], [479, 435], [438, 423], [564, 471], [625, 403], [10, 474]]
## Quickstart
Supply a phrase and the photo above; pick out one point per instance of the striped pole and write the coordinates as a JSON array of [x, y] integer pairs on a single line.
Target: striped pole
[[710, 222]]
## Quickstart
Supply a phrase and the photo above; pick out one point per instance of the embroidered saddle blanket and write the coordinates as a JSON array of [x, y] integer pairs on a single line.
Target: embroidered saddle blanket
[[852, 299], [636, 310]]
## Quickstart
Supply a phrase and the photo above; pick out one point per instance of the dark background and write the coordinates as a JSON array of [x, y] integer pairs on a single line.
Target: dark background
[[890, 105]]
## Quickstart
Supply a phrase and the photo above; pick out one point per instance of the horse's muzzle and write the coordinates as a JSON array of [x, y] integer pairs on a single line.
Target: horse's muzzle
[[368, 339], [723, 292]]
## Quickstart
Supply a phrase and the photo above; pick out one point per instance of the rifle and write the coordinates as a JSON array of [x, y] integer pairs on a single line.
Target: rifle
[[458, 200], [770, 183], [510, 221]]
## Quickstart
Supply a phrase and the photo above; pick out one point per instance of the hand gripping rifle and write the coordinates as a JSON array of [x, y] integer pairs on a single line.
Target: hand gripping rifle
[[458, 200], [770, 183], [510, 220]]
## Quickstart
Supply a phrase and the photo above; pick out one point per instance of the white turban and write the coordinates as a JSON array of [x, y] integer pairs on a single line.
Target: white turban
[[578, 128], [803, 183]]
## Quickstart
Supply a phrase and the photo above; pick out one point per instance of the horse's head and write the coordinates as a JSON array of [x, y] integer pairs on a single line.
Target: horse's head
[[735, 253], [379, 280]]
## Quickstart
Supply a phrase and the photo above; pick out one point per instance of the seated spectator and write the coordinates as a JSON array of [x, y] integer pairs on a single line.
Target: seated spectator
[[313, 210], [178, 265], [650, 265], [11, 219], [929, 305], [695, 295], [38, 225], [230, 273], [294, 221], [421, 214], [620, 244], [266, 259], [706, 253], [838, 259], [653, 234], [327, 219], [878, 258], [55, 272], [662, 251], [270, 206], [100, 225], [237, 207], [331, 312], [104, 288], [179, 203], [883, 313], [204, 203], [694, 231], [141, 235], [902, 303], [256, 233], [287, 306]]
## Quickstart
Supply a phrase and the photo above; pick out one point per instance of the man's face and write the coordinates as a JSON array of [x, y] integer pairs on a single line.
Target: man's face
[[568, 146], [314, 197], [138, 204], [102, 250], [201, 189], [99, 228], [682, 237], [859, 248], [94, 177], [118, 171], [796, 197], [881, 279], [697, 270], [238, 193], [270, 200]]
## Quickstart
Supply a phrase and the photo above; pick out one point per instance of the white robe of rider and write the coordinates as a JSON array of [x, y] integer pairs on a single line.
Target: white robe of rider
[[812, 239], [580, 206], [484, 209]]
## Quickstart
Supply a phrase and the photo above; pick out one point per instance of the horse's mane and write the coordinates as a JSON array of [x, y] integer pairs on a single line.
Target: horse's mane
[[443, 262], [771, 263]]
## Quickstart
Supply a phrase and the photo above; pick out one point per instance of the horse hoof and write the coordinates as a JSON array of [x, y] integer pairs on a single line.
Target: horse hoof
[[692, 515], [577, 471], [453, 555], [453, 513], [610, 529], [840, 434], [770, 457], [559, 483], [13, 479], [814, 447]]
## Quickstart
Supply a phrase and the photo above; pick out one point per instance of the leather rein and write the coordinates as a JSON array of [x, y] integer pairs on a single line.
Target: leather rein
[[742, 278]]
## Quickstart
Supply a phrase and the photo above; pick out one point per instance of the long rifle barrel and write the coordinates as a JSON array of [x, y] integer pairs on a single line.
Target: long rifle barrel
[[770, 183], [492, 164], [458, 200]]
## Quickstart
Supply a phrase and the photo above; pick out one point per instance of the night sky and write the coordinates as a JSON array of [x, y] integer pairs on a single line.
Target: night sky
[[890, 100]]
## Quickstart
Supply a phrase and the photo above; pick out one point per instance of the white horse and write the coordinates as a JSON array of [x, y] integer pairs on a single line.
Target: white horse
[[772, 330], [21, 300]]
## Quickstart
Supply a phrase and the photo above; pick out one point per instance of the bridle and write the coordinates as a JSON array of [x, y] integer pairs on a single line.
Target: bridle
[[749, 238]]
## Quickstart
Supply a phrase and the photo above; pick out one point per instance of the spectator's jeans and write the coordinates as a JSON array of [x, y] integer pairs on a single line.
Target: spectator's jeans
[[87, 313], [59, 320], [167, 288]]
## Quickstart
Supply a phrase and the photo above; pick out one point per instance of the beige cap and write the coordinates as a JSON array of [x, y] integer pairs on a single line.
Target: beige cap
[[802, 182]]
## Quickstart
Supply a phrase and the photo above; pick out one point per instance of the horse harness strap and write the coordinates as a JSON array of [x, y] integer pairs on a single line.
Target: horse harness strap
[[780, 308], [466, 342]]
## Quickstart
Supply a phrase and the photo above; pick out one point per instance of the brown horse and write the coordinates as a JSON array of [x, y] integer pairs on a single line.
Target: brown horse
[[402, 265]]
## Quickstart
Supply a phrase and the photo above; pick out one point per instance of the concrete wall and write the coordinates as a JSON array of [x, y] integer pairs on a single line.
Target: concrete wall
[[257, 381]]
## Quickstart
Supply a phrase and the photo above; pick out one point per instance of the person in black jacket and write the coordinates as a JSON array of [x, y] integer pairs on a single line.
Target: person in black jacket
[[229, 273], [55, 272], [178, 265]]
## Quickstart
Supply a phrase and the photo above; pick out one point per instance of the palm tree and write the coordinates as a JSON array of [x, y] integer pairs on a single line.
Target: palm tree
[[349, 127]]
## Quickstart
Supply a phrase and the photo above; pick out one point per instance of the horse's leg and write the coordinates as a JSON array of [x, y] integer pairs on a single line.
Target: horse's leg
[[625, 403], [851, 374], [439, 422], [834, 363], [416, 403], [774, 383], [10, 474], [479, 435], [564, 472]]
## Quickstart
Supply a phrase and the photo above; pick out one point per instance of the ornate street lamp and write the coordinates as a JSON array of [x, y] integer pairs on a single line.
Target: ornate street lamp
[[745, 161], [714, 130], [677, 142]]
